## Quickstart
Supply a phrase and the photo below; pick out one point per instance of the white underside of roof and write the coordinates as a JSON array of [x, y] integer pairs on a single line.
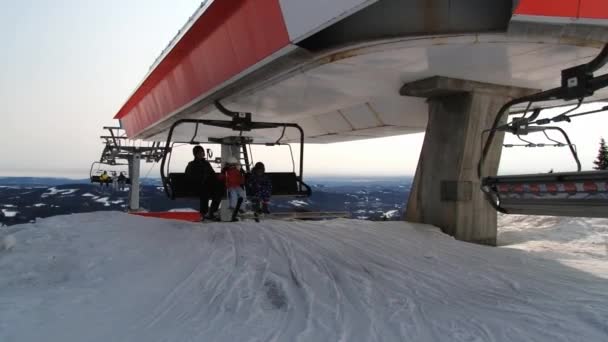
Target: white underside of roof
[[353, 94]]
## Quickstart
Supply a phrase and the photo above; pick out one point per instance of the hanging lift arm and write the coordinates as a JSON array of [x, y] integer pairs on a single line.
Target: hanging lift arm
[[577, 83], [240, 122], [561, 194]]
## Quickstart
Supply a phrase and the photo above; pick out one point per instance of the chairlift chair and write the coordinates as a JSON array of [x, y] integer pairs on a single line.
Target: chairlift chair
[[284, 184], [579, 193], [96, 172]]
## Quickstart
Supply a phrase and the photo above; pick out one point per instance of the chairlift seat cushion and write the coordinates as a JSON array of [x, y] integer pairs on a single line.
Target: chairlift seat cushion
[[181, 186], [97, 179], [582, 194], [283, 184]]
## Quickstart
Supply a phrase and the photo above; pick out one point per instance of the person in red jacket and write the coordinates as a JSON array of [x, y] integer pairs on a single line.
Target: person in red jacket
[[234, 179]]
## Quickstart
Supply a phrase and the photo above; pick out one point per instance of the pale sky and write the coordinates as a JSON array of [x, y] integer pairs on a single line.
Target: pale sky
[[66, 67]]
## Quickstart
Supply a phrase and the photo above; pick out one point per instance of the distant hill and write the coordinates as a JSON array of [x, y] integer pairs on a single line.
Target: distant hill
[[49, 181], [23, 200], [25, 181]]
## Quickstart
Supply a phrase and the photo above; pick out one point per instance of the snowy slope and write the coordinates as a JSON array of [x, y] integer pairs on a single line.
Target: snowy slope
[[115, 277], [578, 242]]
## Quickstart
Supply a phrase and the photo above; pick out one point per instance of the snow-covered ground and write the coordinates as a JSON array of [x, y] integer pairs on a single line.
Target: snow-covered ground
[[104, 200], [183, 210], [392, 214], [578, 242], [115, 277], [298, 203], [54, 191], [9, 213]]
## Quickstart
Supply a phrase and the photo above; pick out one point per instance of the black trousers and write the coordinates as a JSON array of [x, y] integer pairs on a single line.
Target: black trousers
[[212, 189]]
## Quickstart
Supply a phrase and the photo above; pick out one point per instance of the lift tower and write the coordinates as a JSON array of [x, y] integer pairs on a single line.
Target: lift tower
[[117, 147]]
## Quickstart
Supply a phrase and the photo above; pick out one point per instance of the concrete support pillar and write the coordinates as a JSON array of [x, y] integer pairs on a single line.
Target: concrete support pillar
[[446, 191], [134, 166]]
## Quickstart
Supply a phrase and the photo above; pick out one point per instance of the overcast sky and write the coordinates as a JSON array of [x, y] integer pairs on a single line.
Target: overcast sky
[[66, 67]]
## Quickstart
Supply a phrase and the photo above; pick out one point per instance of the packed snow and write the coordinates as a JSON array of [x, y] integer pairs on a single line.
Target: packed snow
[[104, 200], [116, 277], [392, 214], [578, 242], [8, 243], [183, 210]]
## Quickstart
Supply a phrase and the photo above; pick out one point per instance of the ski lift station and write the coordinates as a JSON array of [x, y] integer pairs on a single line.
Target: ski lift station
[[466, 72]]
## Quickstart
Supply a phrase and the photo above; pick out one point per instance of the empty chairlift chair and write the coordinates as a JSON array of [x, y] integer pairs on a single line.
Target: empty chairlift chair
[[580, 193]]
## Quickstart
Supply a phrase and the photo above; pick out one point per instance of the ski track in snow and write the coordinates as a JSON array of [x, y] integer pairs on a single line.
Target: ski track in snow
[[116, 277]]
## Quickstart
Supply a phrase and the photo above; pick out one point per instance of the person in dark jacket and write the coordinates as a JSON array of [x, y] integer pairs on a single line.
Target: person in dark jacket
[[122, 181], [202, 176], [260, 186]]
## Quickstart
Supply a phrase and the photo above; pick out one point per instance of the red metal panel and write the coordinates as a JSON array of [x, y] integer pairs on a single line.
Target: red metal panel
[[227, 39], [550, 8], [182, 216], [594, 9]]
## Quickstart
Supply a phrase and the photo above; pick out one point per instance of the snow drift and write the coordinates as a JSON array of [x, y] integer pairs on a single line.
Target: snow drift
[[115, 277]]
